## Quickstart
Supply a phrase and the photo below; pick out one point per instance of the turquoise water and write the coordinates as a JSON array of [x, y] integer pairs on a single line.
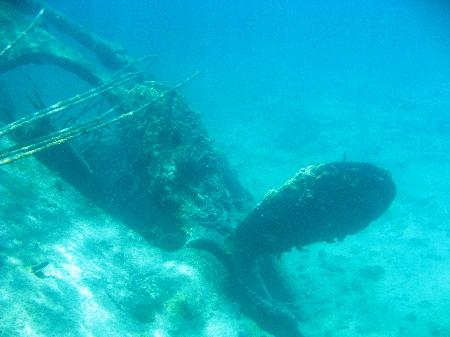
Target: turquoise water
[[286, 84], [284, 75]]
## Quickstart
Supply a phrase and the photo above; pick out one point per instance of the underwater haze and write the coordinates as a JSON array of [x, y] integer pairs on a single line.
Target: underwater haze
[[282, 75], [283, 85]]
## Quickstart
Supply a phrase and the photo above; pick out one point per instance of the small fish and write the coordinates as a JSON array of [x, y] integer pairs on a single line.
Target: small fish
[[39, 268]]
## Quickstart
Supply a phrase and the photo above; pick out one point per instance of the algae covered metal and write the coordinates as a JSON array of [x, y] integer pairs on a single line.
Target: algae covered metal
[[322, 202], [207, 216]]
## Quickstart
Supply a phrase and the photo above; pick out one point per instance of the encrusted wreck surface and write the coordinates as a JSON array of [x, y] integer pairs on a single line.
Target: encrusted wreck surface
[[120, 283], [68, 268], [171, 152]]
